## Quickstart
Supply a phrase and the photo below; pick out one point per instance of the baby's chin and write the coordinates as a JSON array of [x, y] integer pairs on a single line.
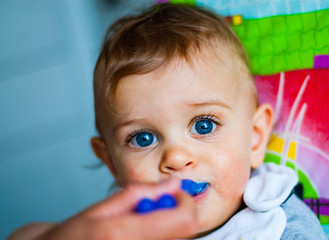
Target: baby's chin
[[209, 223]]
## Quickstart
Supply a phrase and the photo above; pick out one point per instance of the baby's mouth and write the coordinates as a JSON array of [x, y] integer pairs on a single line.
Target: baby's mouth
[[194, 188]]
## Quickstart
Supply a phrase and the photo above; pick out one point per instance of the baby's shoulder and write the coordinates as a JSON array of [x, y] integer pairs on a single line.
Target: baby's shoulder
[[301, 221]]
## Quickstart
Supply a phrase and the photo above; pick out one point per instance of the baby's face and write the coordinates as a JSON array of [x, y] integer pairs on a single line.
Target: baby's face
[[188, 123]]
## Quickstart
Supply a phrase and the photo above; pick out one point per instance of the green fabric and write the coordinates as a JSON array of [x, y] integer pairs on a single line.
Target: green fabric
[[188, 2], [284, 43]]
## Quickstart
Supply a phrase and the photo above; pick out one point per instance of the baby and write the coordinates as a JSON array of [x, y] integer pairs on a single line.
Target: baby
[[174, 98]]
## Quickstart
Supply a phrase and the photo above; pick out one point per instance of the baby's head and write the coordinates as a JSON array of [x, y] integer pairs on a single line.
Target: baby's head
[[174, 97]]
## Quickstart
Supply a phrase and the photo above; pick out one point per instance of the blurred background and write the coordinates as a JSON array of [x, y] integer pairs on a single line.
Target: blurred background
[[48, 50]]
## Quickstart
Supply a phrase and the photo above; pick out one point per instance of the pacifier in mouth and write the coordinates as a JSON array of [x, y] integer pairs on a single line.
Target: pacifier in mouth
[[194, 188]]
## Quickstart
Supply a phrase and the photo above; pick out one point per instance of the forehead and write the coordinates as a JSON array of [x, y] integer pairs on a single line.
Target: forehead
[[204, 79]]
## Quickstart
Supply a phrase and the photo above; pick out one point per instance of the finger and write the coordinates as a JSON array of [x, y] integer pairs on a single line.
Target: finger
[[179, 222], [125, 200]]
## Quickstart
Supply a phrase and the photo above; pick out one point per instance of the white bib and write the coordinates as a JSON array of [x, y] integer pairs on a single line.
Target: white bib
[[268, 187]]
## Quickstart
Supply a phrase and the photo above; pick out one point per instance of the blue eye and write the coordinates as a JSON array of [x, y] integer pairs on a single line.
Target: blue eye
[[203, 127], [143, 139]]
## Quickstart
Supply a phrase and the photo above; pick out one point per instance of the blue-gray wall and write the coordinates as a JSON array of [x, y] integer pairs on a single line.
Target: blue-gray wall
[[47, 53]]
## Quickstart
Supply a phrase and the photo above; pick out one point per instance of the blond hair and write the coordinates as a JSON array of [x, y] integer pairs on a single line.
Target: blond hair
[[143, 43]]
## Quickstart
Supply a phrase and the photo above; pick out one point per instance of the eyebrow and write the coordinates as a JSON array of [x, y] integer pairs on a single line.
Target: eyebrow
[[211, 103], [129, 122]]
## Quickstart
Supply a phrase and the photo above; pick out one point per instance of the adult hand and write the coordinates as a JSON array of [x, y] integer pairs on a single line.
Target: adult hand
[[114, 217]]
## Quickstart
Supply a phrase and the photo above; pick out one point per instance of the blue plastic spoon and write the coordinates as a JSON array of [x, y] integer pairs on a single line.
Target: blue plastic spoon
[[194, 188], [147, 205]]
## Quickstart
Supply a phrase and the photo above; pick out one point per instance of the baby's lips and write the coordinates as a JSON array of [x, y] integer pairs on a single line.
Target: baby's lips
[[193, 188]]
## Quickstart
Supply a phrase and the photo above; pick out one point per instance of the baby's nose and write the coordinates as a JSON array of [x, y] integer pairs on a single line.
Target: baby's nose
[[176, 158]]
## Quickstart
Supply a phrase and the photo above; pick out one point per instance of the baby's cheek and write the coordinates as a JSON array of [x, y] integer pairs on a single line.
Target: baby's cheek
[[130, 175], [239, 178], [234, 174], [135, 174]]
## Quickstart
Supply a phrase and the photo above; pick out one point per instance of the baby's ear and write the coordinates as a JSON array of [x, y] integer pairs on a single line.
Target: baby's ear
[[262, 126], [101, 151]]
